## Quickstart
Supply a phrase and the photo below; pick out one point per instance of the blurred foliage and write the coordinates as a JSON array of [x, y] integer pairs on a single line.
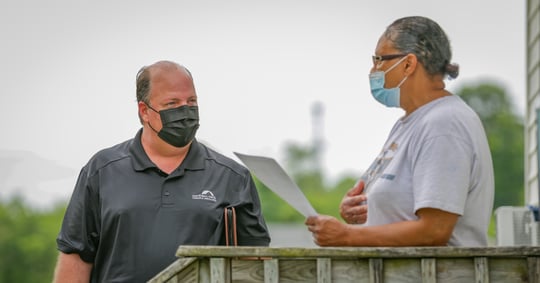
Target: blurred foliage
[[325, 199], [505, 133], [28, 241]]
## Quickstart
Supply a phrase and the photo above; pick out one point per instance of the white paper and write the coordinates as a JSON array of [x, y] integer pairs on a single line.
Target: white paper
[[276, 179]]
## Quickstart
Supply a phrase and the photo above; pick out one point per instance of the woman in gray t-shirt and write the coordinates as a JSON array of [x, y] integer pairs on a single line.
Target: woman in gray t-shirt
[[432, 184]]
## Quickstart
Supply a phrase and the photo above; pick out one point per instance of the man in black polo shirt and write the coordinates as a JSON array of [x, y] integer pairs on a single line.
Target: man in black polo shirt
[[136, 202]]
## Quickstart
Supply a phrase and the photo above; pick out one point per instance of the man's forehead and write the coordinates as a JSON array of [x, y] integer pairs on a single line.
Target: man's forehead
[[167, 67], [168, 76]]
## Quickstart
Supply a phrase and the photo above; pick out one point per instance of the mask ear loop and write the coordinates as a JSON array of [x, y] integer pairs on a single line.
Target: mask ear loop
[[393, 66], [402, 81], [150, 125], [151, 108], [397, 63]]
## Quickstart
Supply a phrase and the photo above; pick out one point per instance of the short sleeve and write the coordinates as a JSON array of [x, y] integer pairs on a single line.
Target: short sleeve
[[251, 227], [80, 229], [442, 173]]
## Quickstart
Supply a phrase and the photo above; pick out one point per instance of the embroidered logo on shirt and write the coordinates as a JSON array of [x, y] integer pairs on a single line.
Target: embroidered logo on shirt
[[205, 195], [388, 176], [378, 166]]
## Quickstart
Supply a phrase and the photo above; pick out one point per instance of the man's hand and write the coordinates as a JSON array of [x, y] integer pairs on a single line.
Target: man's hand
[[353, 207]]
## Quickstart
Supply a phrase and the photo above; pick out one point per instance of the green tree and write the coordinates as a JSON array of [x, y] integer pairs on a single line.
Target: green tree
[[505, 133], [27, 241]]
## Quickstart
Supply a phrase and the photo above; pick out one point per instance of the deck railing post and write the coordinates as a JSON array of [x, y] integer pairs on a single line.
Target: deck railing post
[[220, 270], [481, 270], [271, 270], [375, 270], [324, 270], [534, 269], [429, 270]]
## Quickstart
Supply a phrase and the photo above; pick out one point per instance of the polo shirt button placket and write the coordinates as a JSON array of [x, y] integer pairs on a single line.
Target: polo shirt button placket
[[166, 196]]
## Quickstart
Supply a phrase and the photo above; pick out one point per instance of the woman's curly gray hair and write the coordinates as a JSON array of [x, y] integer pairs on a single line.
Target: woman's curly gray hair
[[424, 38]]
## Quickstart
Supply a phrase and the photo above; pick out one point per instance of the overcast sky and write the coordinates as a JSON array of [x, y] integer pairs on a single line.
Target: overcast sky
[[68, 73]]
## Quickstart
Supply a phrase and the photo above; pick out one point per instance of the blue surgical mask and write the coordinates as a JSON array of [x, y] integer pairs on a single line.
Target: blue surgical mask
[[387, 96]]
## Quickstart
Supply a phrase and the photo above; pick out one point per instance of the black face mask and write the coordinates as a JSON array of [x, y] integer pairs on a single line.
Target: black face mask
[[179, 124]]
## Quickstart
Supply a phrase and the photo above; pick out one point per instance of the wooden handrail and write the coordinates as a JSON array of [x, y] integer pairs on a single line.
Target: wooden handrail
[[350, 252]]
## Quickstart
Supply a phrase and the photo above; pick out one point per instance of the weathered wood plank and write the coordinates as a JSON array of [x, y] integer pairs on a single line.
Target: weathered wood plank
[[375, 270], [190, 274], [512, 270], [340, 253], [204, 270], [324, 270], [481, 270], [298, 270], [455, 270], [350, 271], [402, 270], [220, 270], [533, 264], [247, 271], [429, 270], [271, 271], [186, 267]]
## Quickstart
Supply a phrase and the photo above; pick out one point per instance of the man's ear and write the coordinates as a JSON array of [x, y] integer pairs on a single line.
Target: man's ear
[[143, 111]]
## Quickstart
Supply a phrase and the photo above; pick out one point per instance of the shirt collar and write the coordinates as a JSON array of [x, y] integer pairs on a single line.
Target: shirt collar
[[194, 159]]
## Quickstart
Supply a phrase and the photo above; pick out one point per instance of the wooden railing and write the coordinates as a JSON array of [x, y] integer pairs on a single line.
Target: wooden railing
[[215, 264]]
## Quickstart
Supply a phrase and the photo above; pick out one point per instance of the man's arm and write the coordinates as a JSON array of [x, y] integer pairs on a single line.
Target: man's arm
[[70, 268]]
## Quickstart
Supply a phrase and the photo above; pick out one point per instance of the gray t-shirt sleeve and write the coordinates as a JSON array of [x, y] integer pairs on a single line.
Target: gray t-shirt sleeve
[[441, 174]]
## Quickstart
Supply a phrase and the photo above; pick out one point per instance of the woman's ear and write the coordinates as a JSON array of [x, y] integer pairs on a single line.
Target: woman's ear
[[410, 64]]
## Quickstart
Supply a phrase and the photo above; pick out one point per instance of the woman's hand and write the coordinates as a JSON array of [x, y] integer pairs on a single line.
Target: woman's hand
[[328, 231], [353, 207]]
